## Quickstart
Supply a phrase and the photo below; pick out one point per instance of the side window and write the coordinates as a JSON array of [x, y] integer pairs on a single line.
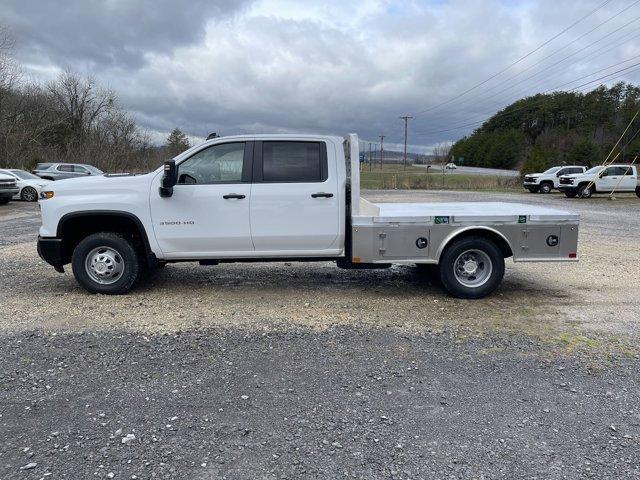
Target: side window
[[301, 162], [217, 164], [563, 171], [79, 169], [611, 171], [626, 171], [65, 168]]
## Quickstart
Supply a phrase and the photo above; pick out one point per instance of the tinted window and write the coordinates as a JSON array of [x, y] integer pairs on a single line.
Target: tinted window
[[217, 164], [576, 170], [79, 169], [65, 168], [626, 171], [292, 162]]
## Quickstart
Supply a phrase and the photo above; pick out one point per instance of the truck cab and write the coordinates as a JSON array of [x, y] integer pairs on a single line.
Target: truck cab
[[601, 179], [546, 181], [282, 197]]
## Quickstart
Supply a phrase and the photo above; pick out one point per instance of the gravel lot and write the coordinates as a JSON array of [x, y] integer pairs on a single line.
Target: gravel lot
[[306, 371]]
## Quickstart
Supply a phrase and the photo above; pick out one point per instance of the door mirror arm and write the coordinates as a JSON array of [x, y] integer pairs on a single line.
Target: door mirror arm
[[169, 179]]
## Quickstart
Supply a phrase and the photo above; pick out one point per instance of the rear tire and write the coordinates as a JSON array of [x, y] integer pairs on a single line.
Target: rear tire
[[471, 267], [107, 263], [29, 194], [546, 187]]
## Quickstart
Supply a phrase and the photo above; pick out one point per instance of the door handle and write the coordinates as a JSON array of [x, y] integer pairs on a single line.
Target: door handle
[[321, 195], [233, 195]]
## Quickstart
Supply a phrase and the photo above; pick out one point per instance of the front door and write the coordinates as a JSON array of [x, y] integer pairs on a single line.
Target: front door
[[608, 179], [208, 214], [294, 198]]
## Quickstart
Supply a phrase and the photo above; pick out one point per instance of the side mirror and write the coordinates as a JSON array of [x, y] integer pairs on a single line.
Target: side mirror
[[169, 179]]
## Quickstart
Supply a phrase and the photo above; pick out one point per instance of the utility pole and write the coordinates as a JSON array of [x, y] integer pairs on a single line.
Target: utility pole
[[381, 150], [370, 157], [406, 118]]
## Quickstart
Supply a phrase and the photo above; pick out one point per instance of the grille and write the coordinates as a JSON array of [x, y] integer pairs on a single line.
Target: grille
[[6, 184], [566, 181], [530, 179]]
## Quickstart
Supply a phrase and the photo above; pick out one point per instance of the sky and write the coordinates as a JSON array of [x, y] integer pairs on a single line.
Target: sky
[[327, 67]]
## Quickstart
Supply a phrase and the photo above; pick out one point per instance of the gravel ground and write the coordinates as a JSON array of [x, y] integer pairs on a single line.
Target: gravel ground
[[306, 371]]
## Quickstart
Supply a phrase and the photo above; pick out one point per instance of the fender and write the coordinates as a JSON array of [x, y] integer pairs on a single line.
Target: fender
[[151, 257], [459, 232]]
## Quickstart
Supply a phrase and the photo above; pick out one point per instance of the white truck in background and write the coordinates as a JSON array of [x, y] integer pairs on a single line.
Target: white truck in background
[[601, 179], [283, 197], [549, 179]]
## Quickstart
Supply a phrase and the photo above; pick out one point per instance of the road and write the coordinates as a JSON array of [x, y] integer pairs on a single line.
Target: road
[[305, 371]]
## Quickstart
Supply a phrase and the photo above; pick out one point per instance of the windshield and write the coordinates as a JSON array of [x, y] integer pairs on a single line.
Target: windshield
[[594, 169], [22, 175], [552, 170]]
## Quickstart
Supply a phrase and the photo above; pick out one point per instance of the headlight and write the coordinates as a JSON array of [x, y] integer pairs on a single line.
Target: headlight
[[46, 195]]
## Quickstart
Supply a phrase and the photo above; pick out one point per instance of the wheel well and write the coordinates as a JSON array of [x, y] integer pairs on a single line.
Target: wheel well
[[546, 181], [494, 237], [75, 227]]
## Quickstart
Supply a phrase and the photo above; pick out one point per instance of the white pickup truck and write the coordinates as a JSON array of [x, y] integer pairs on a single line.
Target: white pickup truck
[[601, 179], [549, 179], [283, 197]]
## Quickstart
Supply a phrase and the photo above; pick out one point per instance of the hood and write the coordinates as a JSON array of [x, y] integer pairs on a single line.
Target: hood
[[5, 177], [100, 184]]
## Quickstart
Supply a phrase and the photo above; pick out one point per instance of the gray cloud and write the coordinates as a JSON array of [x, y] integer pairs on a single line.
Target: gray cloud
[[327, 67]]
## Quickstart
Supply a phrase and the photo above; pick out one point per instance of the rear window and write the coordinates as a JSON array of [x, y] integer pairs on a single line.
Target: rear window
[[300, 162], [65, 168]]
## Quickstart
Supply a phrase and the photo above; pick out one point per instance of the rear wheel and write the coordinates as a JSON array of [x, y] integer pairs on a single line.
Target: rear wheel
[[546, 187], [28, 194], [106, 263], [585, 191], [471, 267]]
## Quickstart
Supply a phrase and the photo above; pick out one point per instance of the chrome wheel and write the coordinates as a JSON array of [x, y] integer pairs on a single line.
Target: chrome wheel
[[29, 194], [473, 268], [104, 265]]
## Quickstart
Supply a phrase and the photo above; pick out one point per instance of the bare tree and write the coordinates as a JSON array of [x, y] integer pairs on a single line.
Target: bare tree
[[441, 152]]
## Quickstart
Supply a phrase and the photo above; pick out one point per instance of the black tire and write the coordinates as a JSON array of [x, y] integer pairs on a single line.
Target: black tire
[[570, 194], [584, 192], [29, 194], [129, 263], [546, 187], [454, 253], [638, 192], [4, 201]]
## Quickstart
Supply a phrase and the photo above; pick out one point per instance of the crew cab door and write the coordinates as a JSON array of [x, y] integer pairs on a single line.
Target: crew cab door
[[294, 198], [609, 179], [208, 214], [628, 180]]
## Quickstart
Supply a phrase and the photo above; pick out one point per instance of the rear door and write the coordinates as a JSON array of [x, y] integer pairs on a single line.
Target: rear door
[[294, 197], [208, 214], [628, 180]]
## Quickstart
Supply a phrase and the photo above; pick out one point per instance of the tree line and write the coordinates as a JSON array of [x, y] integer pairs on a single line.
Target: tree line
[[71, 119], [561, 128]]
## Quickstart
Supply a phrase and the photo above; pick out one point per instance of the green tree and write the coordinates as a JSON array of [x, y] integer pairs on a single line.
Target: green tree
[[177, 142], [585, 152]]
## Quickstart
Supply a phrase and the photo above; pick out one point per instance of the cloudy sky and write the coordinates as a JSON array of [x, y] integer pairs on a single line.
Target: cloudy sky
[[327, 66]]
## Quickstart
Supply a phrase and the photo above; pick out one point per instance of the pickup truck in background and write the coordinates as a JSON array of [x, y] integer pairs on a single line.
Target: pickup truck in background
[[549, 179], [8, 188], [286, 198], [601, 179]]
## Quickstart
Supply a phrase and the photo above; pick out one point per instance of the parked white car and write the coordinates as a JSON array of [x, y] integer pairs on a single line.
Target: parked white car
[[450, 166], [601, 179], [29, 185], [549, 179]]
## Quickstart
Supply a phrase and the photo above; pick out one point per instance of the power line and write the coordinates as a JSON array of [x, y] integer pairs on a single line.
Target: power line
[[542, 45]]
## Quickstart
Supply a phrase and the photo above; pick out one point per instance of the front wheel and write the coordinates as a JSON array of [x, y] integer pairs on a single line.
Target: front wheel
[[585, 191], [545, 188], [105, 263], [471, 267], [28, 194]]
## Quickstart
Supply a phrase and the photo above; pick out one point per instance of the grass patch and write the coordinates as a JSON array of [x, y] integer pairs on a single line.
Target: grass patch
[[392, 177]]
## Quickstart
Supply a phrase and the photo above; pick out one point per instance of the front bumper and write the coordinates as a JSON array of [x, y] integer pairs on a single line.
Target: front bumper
[[9, 192], [50, 250], [530, 185], [567, 188]]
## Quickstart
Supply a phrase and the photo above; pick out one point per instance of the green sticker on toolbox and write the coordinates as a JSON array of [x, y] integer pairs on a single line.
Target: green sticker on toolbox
[[522, 219], [441, 220]]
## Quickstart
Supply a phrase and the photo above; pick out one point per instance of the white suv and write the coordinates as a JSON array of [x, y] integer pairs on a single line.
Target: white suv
[[548, 180]]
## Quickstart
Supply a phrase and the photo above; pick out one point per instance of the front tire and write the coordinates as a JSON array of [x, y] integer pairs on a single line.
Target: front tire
[[471, 267], [546, 188], [106, 263], [585, 191], [28, 194]]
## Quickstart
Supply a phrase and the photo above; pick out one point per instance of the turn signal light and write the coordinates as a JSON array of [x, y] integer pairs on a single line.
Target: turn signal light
[[45, 195]]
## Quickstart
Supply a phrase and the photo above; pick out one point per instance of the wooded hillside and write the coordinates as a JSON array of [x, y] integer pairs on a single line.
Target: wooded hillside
[[537, 132]]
